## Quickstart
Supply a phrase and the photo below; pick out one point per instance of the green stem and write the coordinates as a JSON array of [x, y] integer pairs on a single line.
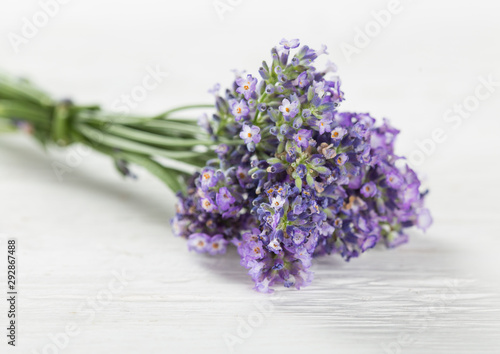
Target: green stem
[[160, 140], [11, 109], [155, 139], [182, 108], [167, 147], [166, 175], [173, 158], [172, 126], [22, 90]]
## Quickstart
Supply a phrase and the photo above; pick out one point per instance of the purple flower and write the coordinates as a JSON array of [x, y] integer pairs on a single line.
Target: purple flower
[[302, 138], [204, 123], [424, 219], [319, 88], [208, 205], [239, 109], [369, 242], [299, 236], [355, 182], [338, 134], [275, 246], [289, 281], [252, 236], [289, 109], [394, 180], [290, 44], [262, 286], [324, 125], [215, 89], [331, 67], [242, 176], [359, 131], [269, 89], [208, 178], [396, 239], [224, 199], [341, 159], [250, 134], [297, 123], [410, 194], [301, 170], [277, 202], [369, 190], [302, 80], [246, 86], [179, 226], [251, 247], [198, 242], [217, 245], [322, 50], [222, 150], [322, 182], [232, 212], [255, 250]]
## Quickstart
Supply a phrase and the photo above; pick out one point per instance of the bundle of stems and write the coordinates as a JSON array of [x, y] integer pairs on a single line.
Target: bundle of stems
[[168, 146]]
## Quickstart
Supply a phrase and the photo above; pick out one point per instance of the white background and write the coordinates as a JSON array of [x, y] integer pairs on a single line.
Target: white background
[[439, 293]]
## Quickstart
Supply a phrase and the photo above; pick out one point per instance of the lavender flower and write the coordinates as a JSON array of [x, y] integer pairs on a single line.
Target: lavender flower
[[199, 242], [302, 80], [324, 125], [224, 199], [207, 204], [239, 109], [394, 180], [250, 134], [369, 189], [246, 86], [215, 90], [306, 182], [302, 138], [275, 246], [424, 219], [319, 89], [338, 134], [208, 178], [290, 44], [289, 109], [278, 202], [217, 245], [341, 159]]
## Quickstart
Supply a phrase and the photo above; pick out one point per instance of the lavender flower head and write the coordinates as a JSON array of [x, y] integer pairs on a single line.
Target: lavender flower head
[[305, 180]]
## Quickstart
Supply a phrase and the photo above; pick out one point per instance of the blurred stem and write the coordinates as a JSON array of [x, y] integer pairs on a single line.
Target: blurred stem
[[25, 111], [168, 176], [168, 147], [182, 108]]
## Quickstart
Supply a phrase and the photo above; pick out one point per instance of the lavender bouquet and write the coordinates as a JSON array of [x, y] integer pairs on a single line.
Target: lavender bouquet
[[277, 171]]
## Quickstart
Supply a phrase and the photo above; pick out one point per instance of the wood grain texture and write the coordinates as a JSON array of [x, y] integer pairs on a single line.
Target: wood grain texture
[[75, 236]]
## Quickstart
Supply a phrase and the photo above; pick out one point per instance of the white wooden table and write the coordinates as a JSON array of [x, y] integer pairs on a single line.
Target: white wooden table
[[99, 269]]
